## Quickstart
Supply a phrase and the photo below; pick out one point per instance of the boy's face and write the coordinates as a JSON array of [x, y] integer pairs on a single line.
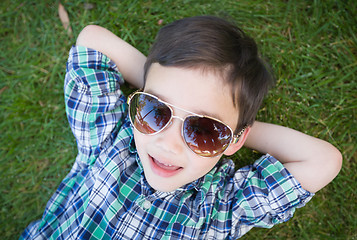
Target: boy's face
[[168, 163]]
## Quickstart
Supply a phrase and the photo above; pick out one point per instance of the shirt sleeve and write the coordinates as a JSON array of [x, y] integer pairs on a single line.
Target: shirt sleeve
[[266, 194], [95, 106]]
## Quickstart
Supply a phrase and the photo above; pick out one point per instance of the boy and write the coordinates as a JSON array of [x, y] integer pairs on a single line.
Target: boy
[[152, 169]]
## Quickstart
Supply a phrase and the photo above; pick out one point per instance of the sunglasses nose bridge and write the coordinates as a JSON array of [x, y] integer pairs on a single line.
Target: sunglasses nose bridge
[[177, 117]]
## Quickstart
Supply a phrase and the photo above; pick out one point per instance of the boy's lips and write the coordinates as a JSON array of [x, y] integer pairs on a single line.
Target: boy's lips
[[163, 169]]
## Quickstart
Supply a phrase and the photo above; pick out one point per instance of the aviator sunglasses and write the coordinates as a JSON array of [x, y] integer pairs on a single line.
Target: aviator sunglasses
[[204, 135]]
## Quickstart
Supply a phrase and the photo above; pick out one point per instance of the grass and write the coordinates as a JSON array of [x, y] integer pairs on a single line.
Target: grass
[[311, 46]]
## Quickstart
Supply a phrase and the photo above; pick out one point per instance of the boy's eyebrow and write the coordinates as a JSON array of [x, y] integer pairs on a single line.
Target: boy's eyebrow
[[198, 112]]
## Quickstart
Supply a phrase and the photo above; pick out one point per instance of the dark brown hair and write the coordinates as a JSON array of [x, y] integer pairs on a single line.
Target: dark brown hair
[[208, 42]]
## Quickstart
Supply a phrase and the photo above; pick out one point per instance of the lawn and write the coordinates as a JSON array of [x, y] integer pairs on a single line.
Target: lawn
[[311, 46]]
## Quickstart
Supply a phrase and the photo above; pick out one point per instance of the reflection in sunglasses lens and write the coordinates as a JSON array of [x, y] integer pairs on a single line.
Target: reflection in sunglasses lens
[[206, 136], [148, 114]]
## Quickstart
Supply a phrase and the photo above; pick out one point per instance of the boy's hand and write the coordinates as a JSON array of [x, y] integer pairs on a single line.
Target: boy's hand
[[128, 59], [313, 162]]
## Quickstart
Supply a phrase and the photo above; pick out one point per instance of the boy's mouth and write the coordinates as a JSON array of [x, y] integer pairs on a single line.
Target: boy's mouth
[[163, 169]]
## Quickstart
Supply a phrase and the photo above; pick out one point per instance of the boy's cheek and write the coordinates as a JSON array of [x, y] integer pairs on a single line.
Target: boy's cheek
[[139, 139]]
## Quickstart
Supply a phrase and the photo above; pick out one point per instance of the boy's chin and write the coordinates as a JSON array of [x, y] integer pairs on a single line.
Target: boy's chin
[[161, 185]]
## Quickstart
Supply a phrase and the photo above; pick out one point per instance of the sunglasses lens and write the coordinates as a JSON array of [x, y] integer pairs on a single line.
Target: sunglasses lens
[[205, 136], [147, 114]]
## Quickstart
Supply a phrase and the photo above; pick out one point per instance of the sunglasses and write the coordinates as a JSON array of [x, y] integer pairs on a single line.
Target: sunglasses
[[204, 135]]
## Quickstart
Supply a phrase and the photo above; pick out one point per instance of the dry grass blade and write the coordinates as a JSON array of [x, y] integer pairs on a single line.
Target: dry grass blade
[[63, 15], [3, 89]]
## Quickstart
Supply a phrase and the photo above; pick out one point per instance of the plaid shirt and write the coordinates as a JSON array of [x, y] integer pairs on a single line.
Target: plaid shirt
[[106, 196]]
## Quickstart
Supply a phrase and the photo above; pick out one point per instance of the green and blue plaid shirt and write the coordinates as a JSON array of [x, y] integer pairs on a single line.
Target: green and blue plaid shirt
[[106, 196]]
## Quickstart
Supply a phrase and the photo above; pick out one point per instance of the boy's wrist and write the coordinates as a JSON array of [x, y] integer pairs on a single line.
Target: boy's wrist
[[128, 59]]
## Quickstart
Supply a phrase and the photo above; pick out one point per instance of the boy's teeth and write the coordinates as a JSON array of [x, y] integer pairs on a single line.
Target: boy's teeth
[[164, 164]]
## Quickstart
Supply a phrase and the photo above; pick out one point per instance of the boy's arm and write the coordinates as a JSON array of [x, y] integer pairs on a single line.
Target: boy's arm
[[128, 59], [313, 162]]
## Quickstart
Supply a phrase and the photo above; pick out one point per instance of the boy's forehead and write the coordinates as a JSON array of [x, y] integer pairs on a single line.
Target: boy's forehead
[[196, 73], [163, 97], [195, 90]]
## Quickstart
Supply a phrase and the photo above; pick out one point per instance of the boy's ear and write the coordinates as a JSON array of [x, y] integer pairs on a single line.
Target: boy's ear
[[234, 147]]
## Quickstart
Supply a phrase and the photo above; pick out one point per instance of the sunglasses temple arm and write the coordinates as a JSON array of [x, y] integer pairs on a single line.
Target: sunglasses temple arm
[[236, 137]]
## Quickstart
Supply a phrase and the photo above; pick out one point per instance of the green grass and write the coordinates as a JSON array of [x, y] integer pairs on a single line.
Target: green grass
[[311, 46]]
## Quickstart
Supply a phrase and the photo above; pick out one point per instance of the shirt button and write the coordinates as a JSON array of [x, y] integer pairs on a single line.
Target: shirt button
[[147, 204]]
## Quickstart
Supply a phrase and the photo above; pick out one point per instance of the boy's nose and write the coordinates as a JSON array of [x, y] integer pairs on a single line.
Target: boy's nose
[[170, 139]]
